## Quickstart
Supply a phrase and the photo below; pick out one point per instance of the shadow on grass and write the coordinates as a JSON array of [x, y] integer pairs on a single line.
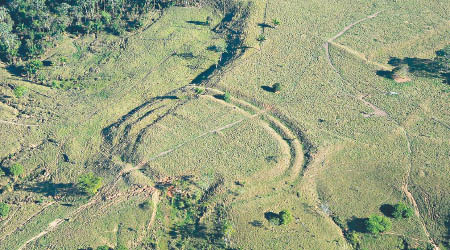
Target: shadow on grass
[[201, 23], [51, 189], [267, 88], [357, 225], [256, 223], [438, 67], [387, 209]]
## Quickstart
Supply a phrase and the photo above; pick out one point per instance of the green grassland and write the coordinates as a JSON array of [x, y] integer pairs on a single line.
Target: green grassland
[[334, 146]]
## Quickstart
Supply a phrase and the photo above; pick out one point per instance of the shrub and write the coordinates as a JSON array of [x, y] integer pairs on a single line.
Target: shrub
[[104, 247], [32, 67], [261, 38], [89, 183], [276, 87], [226, 97], [354, 239], [275, 22], [285, 217], [2, 173], [402, 210], [401, 72], [378, 224], [4, 209], [19, 91], [16, 170], [199, 91]]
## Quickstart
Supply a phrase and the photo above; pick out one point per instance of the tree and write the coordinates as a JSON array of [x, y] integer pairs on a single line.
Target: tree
[[276, 87], [401, 210], [261, 38], [4, 209], [285, 217], [89, 183], [32, 67], [378, 224], [226, 97], [401, 73], [275, 22], [16, 170], [19, 91]]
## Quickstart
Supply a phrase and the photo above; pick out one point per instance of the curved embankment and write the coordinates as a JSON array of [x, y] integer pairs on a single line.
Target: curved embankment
[[379, 112], [289, 144]]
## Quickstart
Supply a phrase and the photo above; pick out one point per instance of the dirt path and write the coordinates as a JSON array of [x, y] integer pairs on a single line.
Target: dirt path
[[378, 112], [51, 226], [409, 195], [359, 55], [19, 124], [155, 200]]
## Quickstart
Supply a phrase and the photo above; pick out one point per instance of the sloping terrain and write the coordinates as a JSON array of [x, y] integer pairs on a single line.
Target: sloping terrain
[[197, 150]]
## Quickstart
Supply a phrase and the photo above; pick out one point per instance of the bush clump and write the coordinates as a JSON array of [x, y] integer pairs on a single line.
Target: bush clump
[[401, 210], [16, 170], [4, 209], [378, 224], [19, 91], [89, 183], [226, 97]]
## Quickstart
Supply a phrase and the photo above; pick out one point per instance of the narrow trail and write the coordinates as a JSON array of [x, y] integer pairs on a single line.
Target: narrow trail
[[19, 124], [380, 112], [359, 55], [51, 226], [155, 200], [409, 195]]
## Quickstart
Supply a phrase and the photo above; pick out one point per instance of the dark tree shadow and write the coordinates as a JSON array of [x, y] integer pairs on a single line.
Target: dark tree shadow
[[357, 224], [15, 70], [265, 25], [271, 216], [256, 223], [201, 23], [438, 67], [387, 209], [51, 189], [267, 88]]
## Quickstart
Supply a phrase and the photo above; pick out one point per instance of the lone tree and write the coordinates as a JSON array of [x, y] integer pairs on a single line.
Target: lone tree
[[275, 22], [226, 97], [276, 87], [378, 224], [401, 73], [32, 67], [401, 210], [89, 183], [16, 170], [4, 209], [19, 91], [285, 217]]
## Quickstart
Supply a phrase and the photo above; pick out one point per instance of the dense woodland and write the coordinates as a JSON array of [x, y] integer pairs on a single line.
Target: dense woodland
[[28, 27]]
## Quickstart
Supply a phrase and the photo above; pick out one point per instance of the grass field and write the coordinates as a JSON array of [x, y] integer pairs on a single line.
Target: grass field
[[334, 146]]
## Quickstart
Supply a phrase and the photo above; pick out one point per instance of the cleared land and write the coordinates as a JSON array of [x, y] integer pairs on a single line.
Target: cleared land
[[184, 167]]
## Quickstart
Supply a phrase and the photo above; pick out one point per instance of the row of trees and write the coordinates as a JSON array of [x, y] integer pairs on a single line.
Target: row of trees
[[28, 27]]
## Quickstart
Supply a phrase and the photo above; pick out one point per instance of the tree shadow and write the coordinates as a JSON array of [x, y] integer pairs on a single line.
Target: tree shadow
[[201, 23], [357, 224], [438, 67], [15, 70], [51, 189], [387, 209], [256, 223], [267, 88], [271, 216], [265, 25]]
